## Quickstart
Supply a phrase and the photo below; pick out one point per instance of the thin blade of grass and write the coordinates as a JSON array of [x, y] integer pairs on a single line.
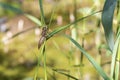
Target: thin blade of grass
[[114, 56], [68, 75], [39, 58], [118, 31], [93, 62], [45, 67], [41, 52], [117, 67], [118, 55], [107, 18], [66, 26], [53, 11], [42, 12], [117, 70], [21, 32]]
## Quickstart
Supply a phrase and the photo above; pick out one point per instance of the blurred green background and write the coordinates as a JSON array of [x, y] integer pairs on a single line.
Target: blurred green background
[[19, 55]]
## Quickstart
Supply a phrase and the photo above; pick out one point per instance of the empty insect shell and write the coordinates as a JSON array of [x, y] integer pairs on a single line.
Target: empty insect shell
[[41, 41]]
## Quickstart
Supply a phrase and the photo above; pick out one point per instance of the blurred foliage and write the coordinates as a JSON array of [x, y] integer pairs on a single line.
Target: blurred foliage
[[19, 57], [15, 3]]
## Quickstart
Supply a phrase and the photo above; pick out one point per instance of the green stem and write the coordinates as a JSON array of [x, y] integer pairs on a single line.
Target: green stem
[[38, 65], [42, 12], [45, 68]]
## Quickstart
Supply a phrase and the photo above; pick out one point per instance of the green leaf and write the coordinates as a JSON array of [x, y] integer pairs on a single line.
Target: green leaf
[[10, 7], [66, 26], [34, 19], [93, 62], [107, 18]]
